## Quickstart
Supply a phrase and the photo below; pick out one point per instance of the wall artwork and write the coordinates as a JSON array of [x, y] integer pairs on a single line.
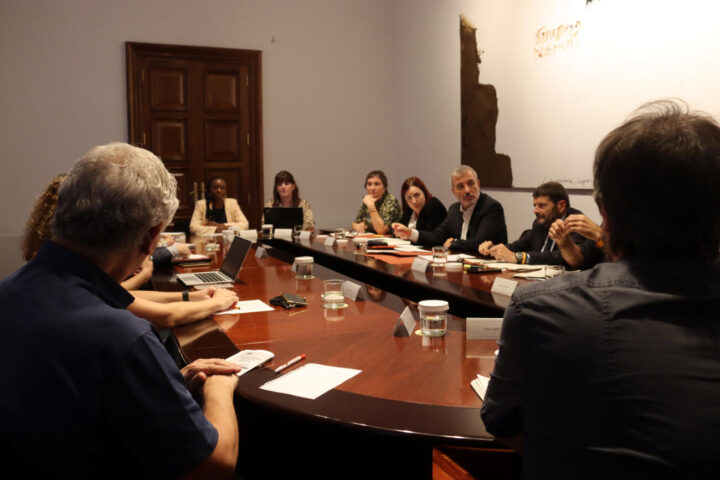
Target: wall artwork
[[479, 114], [557, 76]]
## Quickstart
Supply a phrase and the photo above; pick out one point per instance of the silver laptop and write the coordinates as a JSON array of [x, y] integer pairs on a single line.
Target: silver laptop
[[229, 270]]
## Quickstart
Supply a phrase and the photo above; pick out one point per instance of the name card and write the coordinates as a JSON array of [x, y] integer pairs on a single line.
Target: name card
[[405, 324], [249, 234], [503, 286], [483, 328], [352, 290], [283, 233], [260, 252], [305, 235], [329, 241], [420, 264]]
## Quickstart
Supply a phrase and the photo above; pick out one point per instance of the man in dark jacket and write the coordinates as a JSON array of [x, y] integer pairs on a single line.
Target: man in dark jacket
[[475, 218], [550, 203]]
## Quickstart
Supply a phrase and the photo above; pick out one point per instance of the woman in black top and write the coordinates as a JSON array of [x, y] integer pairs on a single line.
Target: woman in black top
[[420, 209]]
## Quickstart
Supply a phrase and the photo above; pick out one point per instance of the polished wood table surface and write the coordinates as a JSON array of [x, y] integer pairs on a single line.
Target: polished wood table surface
[[468, 294], [410, 387]]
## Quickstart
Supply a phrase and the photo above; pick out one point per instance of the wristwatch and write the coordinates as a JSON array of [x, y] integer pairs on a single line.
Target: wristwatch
[[519, 257]]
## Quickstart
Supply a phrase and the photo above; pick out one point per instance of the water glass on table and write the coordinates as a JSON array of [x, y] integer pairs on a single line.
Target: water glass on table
[[333, 296], [433, 317]]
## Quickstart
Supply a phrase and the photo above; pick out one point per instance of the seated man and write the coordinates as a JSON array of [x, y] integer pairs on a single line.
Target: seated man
[[615, 371], [475, 218], [551, 203], [90, 392]]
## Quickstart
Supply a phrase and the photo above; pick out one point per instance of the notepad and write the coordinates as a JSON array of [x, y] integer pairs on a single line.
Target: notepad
[[249, 359], [247, 306], [310, 381]]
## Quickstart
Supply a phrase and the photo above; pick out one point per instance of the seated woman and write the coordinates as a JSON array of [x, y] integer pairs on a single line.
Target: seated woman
[[287, 194], [379, 209], [162, 309], [420, 209], [216, 212]]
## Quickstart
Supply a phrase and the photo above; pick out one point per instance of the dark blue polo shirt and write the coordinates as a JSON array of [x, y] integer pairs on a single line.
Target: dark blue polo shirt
[[88, 390]]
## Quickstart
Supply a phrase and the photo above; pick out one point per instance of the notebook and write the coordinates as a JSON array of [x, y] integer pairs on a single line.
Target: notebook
[[229, 270], [283, 217]]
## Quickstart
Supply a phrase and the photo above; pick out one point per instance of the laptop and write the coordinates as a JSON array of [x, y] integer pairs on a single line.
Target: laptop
[[283, 217], [229, 270]]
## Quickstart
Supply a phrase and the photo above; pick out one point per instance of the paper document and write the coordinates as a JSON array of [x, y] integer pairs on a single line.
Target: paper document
[[513, 266], [249, 359], [311, 380], [411, 248], [248, 306], [450, 258], [542, 272]]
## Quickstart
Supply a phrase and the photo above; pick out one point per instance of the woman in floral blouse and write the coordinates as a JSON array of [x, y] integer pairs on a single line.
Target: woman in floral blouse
[[379, 208]]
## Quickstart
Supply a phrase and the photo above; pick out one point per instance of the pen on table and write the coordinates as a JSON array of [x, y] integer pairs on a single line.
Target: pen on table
[[290, 363]]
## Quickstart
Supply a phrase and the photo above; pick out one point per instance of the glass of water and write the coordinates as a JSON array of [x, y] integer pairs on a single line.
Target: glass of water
[[333, 297], [433, 317]]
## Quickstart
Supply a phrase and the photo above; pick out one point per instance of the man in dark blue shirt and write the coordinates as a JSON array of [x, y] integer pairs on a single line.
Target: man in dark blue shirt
[[89, 391], [615, 371]]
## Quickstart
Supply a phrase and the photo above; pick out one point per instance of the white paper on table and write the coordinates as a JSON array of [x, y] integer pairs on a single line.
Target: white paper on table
[[248, 306], [450, 258], [395, 241], [411, 248], [543, 272], [513, 266], [533, 274], [310, 381]]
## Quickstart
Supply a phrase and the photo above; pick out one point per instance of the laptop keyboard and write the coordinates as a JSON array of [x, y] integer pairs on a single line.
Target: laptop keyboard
[[211, 277]]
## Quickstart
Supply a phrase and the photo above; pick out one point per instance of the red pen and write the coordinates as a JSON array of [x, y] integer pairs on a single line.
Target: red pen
[[290, 363]]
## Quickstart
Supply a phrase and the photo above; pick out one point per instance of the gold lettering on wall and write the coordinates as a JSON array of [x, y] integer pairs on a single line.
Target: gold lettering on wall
[[551, 41]]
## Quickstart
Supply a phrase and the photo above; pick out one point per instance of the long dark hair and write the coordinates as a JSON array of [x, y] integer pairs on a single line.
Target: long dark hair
[[282, 177], [413, 182]]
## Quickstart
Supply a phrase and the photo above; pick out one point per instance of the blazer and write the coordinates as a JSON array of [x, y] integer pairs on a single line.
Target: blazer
[[531, 241], [432, 215], [486, 223], [235, 217]]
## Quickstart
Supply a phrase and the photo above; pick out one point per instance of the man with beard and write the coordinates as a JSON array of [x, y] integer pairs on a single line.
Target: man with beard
[[475, 218], [551, 203]]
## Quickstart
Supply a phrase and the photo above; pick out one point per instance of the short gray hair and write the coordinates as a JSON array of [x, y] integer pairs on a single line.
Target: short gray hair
[[111, 198], [462, 170]]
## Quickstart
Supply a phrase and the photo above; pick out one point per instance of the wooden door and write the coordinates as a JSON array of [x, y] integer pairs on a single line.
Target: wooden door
[[199, 110]]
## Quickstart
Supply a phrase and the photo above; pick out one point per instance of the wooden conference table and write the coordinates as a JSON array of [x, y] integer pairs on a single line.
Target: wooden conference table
[[468, 294], [413, 392]]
